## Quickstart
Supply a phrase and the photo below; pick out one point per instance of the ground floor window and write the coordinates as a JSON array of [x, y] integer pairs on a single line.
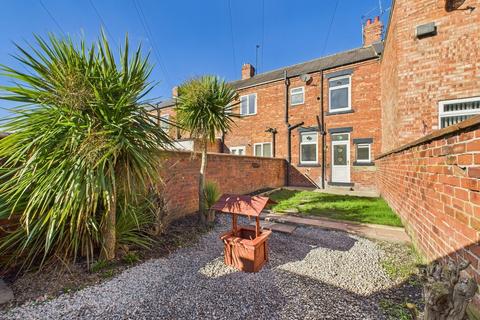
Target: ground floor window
[[308, 148], [239, 151], [455, 111], [263, 149], [364, 153]]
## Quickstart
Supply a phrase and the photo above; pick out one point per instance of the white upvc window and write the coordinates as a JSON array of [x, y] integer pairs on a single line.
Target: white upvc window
[[262, 149], [455, 111], [297, 96], [248, 104], [364, 153], [164, 122], [239, 151], [308, 148], [340, 94]]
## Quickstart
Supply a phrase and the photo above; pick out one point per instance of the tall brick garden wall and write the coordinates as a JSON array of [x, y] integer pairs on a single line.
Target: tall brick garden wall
[[232, 174], [433, 184]]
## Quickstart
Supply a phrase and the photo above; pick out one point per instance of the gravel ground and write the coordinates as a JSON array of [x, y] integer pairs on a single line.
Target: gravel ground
[[312, 274]]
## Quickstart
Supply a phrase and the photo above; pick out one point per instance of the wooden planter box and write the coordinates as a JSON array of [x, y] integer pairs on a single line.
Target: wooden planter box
[[245, 251]]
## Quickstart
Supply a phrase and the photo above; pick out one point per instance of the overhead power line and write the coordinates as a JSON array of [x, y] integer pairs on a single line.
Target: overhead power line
[[52, 17], [330, 28], [104, 25], [149, 34]]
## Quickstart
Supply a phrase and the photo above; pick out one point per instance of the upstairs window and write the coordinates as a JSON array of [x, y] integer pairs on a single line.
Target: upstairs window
[[340, 94], [263, 149], [455, 111], [308, 148], [297, 96], [164, 123], [248, 104]]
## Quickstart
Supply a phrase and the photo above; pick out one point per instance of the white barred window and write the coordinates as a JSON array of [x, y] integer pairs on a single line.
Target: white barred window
[[454, 111]]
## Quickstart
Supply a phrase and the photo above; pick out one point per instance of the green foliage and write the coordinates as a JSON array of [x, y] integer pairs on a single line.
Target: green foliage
[[131, 258], [397, 311], [80, 143], [212, 193], [133, 224], [401, 263], [204, 107], [99, 265], [340, 207]]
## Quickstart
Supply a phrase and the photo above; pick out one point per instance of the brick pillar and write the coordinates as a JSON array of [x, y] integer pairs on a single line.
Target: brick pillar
[[372, 31]]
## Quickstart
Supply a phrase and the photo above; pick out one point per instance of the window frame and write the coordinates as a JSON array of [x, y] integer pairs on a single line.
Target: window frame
[[369, 160], [308, 143], [238, 148], [248, 105], [161, 122], [303, 96], [330, 89], [262, 149], [442, 114]]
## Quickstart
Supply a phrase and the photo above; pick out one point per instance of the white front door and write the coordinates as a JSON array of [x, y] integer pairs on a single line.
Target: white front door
[[341, 157]]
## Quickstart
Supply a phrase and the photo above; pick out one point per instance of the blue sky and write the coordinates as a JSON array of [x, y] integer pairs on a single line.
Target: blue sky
[[192, 37]]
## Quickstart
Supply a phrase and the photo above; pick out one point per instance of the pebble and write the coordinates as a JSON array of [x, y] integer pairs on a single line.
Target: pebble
[[311, 274]]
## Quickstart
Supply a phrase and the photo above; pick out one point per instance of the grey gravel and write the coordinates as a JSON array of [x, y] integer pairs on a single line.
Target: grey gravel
[[312, 274]]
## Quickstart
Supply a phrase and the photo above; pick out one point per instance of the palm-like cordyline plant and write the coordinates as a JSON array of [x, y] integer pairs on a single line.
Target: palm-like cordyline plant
[[81, 147], [204, 109]]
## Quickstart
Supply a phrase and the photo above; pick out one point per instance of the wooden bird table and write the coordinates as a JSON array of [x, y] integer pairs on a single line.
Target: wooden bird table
[[245, 246]]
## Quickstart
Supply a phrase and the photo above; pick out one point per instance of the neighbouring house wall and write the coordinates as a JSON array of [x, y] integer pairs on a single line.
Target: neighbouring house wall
[[418, 73], [232, 174], [434, 186]]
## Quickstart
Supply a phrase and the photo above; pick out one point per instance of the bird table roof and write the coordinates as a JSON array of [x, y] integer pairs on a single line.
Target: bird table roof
[[240, 204]]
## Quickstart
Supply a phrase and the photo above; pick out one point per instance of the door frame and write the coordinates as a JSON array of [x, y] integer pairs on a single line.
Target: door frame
[[343, 142]]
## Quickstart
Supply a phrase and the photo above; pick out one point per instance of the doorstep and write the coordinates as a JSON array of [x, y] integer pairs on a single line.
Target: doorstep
[[373, 231]]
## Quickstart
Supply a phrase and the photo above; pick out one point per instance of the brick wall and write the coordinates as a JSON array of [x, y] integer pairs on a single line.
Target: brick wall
[[233, 174], [365, 121], [434, 185], [418, 73]]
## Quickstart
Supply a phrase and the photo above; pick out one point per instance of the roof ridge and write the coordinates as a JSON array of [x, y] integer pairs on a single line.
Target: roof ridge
[[311, 60]]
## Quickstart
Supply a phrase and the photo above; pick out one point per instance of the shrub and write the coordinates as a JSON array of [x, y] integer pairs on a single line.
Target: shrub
[[81, 152]]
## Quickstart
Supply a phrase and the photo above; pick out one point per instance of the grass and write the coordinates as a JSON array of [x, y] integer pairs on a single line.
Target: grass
[[338, 207], [397, 311]]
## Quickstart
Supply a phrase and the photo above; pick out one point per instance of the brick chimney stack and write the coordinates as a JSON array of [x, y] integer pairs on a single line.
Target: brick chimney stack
[[372, 31], [248, 71]]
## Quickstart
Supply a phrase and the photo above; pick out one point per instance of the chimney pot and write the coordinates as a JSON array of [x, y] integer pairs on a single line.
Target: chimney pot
[[248, 71], [175, 91]]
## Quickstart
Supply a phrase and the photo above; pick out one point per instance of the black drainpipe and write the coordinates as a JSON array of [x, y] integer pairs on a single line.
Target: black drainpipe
[[289, 148], [323, 132], [286, 82], [273, 131]]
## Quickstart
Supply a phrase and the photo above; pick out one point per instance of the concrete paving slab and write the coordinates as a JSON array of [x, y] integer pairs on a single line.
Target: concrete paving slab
[[385, 233], [278, 227]]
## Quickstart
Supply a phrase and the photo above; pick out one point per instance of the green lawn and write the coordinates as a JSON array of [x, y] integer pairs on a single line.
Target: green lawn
[[339, 207]]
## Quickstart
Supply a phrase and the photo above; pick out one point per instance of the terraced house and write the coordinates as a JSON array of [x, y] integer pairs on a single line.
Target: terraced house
[[323, 116]]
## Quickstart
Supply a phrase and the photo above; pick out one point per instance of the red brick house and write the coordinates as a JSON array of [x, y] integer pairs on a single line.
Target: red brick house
[[322, 115]]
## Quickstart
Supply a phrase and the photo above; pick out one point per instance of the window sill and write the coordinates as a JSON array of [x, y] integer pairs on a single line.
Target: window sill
[[332, 113], [296, 104], [306, 165], [247, 115], [363, 164]]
